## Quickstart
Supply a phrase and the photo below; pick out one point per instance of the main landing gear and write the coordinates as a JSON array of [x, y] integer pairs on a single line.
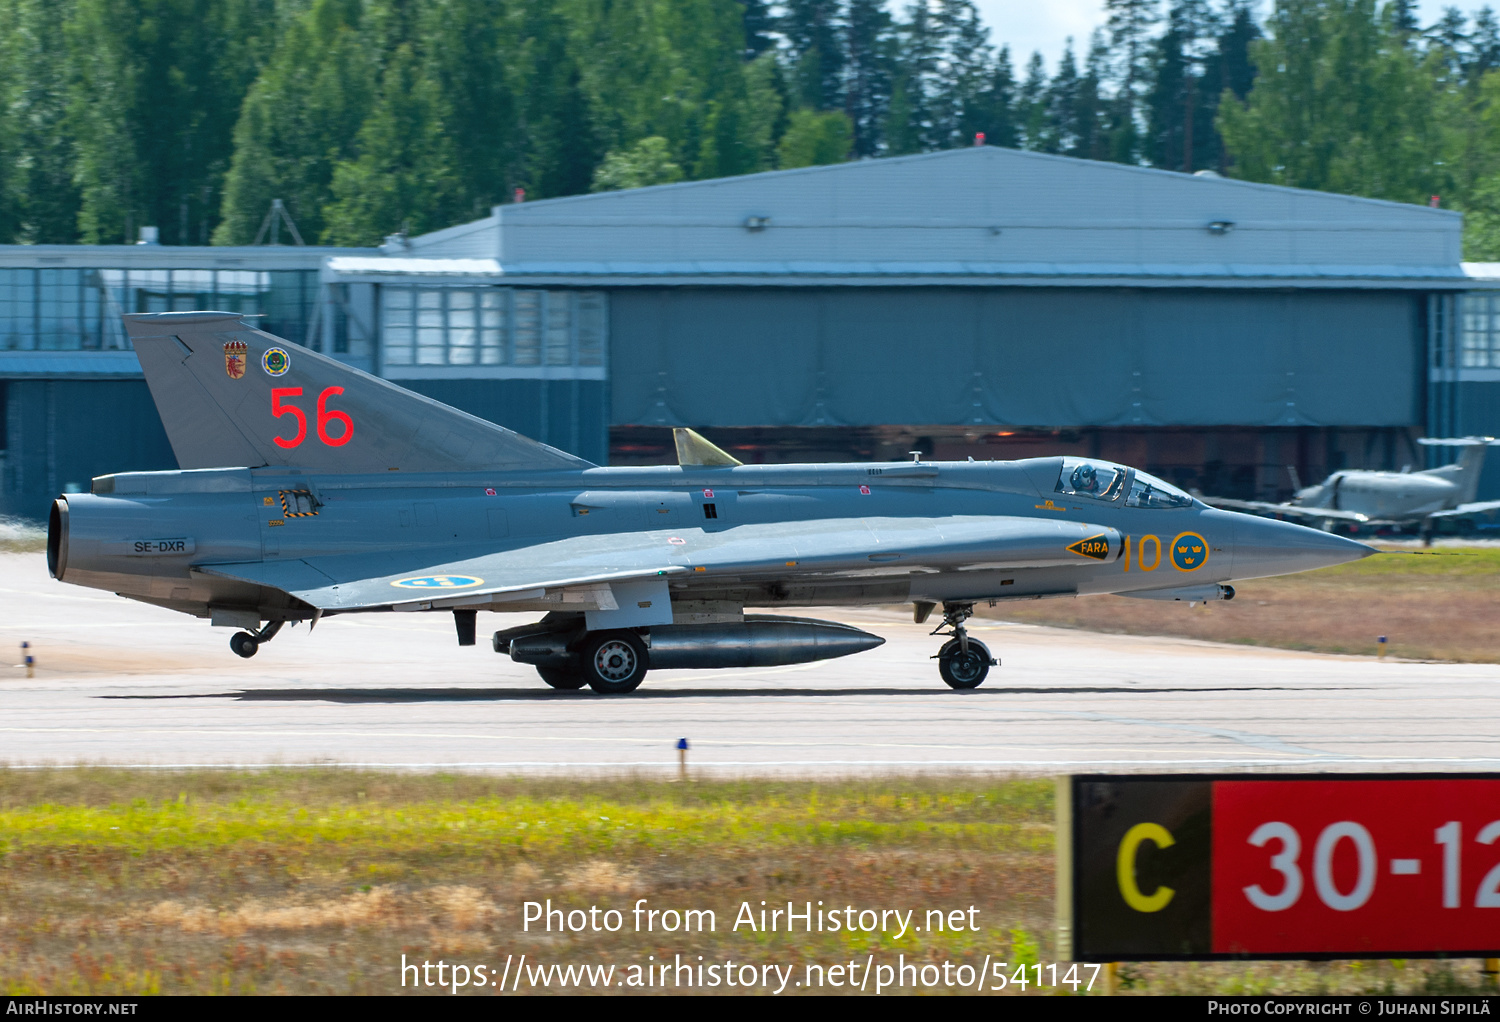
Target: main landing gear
[[962, 662], [246, 644], [610, 663]]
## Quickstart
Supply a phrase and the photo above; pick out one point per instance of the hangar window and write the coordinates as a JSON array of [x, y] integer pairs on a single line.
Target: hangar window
[[490, 326], [1148, 491], [1479, 326], [73, 309], [1096, 479]]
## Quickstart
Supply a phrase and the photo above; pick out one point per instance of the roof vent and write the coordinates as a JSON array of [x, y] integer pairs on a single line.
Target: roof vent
[[757, 223], [1220, 226]]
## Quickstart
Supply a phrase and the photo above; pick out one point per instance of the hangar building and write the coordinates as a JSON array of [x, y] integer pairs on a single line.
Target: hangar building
[[982, 302]]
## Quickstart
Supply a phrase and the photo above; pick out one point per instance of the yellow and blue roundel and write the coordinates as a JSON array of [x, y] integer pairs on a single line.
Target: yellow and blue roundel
[[1189, 551], [438, 582]]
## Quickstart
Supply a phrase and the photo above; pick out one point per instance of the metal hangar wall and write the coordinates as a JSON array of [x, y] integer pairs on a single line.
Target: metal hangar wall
[[975, 303]]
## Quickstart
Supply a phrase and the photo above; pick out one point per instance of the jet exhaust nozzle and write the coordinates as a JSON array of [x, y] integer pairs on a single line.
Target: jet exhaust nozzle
[[57, 539], [761, 640]]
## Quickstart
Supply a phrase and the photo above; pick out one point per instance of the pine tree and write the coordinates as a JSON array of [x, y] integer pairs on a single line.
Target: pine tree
[[1227, 70], [911, 125], [1094, 123], [1484, 45], [1062, 103], [758, 24], [966, 73], [868, 45], [998, 104], [1129, 25], [814, 36], [1177, 130], [1031, 107]]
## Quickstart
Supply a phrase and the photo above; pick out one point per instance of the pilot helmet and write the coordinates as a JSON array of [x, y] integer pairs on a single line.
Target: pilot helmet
[[1085, 479]]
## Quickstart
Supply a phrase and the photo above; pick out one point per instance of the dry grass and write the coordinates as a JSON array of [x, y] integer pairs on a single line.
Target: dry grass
[[318, 881], [1440, 604], [315, 881]]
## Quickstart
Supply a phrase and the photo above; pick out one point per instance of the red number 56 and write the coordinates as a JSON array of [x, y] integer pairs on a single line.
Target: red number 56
[[325, 416]]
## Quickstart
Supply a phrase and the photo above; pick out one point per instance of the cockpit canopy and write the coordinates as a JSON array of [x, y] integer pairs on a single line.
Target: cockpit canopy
[[1148, 491], [1097, 479], [1100, 480]]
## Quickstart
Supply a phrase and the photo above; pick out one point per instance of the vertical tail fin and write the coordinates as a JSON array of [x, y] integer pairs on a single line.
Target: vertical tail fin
[[230, 395]]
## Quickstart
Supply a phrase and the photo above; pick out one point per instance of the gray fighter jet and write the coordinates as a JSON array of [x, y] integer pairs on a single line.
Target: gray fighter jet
[[310, 489], [1361, 498]]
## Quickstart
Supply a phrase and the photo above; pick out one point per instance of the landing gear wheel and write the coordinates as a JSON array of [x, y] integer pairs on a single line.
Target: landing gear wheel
[[243, 644], [613, 662], [562, 679], [963, 670]]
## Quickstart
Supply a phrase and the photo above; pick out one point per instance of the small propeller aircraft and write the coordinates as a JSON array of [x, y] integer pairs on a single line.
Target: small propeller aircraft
[[309, 489], [1360, 497]]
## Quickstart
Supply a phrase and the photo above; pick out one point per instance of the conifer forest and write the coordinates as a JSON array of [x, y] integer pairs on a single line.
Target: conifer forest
[[373, 117]]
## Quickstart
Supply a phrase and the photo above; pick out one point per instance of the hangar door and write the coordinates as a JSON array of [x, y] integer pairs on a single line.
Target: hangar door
[[1013, 356]]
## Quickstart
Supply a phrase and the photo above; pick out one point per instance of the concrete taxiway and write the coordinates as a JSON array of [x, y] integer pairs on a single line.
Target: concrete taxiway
[[123, 683]]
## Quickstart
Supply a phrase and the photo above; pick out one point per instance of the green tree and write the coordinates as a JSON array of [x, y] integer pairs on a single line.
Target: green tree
[[402, 179], [648, 162], [815, 51], [474, 52], [1340, 104], [300, 119], [1129, 23], [1031, 108], [869, 54], [813, 139], [154, 87], [38, 198]]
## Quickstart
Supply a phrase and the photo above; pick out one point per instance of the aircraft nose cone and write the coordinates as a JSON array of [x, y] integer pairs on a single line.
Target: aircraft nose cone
[[1264, 546]]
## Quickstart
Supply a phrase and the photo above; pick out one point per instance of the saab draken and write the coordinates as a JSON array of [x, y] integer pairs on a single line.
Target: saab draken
[[309, 489]]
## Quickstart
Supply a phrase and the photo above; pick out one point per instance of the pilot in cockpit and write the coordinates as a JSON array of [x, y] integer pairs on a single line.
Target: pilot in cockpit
[[1085, 479]]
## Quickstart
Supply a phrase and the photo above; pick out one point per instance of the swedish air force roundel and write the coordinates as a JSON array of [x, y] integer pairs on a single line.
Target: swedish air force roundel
[[1189, 551], [275, 361], [438, 582]]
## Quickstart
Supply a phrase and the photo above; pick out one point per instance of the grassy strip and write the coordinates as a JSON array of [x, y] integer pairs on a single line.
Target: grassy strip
[[1436, 604], [320, 880]]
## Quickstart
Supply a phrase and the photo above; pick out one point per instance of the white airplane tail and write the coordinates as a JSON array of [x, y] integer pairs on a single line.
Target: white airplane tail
[[1466, 471]]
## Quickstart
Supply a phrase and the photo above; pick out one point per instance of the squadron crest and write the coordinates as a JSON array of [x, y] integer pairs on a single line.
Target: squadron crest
[[234, 359]]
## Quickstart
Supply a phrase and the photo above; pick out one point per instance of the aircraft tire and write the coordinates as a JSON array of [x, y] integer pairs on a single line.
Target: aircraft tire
[[613, 662], [243, 644], [562, 679], [962, 671]]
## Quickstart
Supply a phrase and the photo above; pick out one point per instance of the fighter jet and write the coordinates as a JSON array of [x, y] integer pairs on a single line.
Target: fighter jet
[[1358, 497], [309, 489]]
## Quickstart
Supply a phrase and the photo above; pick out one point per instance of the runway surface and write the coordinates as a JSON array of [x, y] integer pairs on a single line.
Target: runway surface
[[123, 683]]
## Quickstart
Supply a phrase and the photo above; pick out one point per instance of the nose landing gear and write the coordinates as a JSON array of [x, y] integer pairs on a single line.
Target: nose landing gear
[[246, 644], [962, 662]]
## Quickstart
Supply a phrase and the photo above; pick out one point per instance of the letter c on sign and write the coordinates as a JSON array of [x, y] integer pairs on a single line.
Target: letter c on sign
[[1125, 867]]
